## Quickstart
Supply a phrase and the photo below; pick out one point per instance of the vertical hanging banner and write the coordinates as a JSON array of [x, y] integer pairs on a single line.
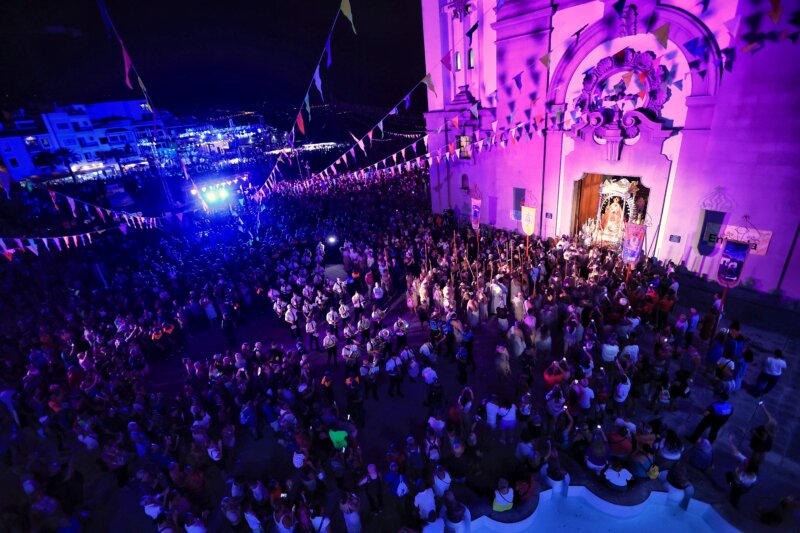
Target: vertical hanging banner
[[710, 229], [475, 213], [734, 254], [528, 220], [632, 245]]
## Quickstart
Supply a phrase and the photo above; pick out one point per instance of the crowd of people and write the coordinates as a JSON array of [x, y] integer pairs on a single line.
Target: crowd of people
[[585, 356]]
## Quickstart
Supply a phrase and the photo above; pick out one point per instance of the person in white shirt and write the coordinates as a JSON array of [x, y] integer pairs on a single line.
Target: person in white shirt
[[333, 319], [441, 481], [425, 502], [609, 351], [313, 334], [621, 390], [774, 366], [616, 475], [329, 343], [491, 412]]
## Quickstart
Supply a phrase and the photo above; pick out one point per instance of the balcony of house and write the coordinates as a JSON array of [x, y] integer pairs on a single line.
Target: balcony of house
[[82, 127], [87, 143]]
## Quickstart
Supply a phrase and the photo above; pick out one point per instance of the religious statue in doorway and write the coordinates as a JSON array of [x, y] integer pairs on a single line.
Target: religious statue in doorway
[[612, 222]]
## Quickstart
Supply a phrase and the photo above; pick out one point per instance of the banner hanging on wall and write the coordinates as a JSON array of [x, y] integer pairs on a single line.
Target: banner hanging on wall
[[632, 245], [475, 213], [528, 220], [734, 254], [710, 231]]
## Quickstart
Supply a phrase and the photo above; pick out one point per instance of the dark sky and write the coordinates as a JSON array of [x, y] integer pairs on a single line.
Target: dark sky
[[197, 56]]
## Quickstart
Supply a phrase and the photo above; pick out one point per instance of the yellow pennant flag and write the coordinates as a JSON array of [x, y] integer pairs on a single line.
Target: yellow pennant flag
[[429, 82], [348, 12]]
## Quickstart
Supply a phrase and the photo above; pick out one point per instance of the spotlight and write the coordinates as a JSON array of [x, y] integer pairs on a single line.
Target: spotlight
[[211, 196], [332, 240], [194, 192], [223, 193]]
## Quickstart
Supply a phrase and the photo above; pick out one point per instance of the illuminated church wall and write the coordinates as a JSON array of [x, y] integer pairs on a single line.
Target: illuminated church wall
[[701, 128]]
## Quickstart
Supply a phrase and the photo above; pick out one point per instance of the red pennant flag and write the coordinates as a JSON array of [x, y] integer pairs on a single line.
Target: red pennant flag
[[448, 62], [53, 197], [300, 124], [66, 241], [100, 213], [455, 122], [57, 243], [128, 64]]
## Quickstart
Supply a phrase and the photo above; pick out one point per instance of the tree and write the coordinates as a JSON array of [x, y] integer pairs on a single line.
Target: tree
[[63, 157]]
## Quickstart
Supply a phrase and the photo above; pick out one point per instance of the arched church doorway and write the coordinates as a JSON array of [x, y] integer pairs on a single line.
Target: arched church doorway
[[602, 204]]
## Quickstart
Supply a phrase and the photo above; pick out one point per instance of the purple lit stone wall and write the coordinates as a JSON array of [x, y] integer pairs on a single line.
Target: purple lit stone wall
[[722, 138]]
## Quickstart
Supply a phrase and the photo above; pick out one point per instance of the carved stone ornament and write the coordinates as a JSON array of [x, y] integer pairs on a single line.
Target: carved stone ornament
[[615, 129], [640, 71], [459, 8]]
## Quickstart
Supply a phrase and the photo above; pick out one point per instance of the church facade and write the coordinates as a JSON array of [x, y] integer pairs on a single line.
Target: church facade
[[680, 116]]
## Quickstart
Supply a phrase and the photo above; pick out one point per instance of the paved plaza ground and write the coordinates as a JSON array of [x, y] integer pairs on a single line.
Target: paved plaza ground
[[392, 419]]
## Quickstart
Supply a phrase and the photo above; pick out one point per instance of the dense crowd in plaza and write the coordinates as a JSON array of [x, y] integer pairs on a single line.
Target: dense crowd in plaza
[[586, 357]]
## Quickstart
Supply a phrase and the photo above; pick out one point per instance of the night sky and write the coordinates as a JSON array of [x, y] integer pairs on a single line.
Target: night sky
[[196, 57]]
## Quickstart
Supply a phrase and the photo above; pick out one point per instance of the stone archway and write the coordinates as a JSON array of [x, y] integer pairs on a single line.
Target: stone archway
[[607, 139]]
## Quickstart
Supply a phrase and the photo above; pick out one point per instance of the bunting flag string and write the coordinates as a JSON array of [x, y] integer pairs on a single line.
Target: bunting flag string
[[299, 123], [406, 100], [102, 212], [14, 245]]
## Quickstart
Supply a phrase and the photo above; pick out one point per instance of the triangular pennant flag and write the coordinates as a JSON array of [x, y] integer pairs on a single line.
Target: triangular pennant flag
[[619, 6], [329, 60], [71, 202], [46, 246], [471, 31], [380, 127], [318, 83], [696, 47], [474, 110], [19, 244], [429, 82], [369, 136], [75, 240], [518, 81], [679, 85], [775, 14], [545, 60], [348, 12], [89, 236], [307, 103], [447, 61], [57, 243], [662, 34], [128, 64], [66, 241], [123, 228], [300, 124], [100, 213], [53, 198], [407, 100], [8, 254], [627, 77], [455, 121], [494, 126]]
